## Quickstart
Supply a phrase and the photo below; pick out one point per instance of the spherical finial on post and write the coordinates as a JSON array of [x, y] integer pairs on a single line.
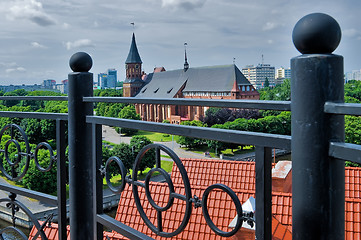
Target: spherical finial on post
[[316, 33], [80, 62]]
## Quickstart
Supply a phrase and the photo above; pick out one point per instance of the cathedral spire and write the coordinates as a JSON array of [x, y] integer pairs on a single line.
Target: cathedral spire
[[186, 65], [133, 56]]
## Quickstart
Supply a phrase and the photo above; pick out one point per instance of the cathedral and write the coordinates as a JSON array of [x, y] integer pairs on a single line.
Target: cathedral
[[211, 82]]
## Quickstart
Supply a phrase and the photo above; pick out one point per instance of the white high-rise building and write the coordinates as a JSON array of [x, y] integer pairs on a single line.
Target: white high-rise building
[[354, 75], [257, 75]]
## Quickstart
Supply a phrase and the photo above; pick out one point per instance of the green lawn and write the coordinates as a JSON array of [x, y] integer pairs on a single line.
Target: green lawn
[[228, 152], [155, 137]]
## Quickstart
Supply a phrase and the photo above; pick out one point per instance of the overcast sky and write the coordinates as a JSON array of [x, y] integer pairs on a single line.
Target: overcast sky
[[37, 37]]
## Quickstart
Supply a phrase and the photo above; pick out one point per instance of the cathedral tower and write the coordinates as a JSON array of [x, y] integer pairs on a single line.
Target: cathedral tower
[[133, 67]]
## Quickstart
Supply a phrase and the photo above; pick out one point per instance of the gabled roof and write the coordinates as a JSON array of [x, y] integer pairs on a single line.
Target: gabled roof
[[133, 56], [214, 78], [162, 84], [203, 79]]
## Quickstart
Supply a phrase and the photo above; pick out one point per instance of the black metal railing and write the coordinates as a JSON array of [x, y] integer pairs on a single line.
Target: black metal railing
[[317, 145]]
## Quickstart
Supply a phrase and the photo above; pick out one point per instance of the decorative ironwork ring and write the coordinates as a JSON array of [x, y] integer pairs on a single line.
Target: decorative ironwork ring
[[37, 164], [19, 154], [235, 200], [123, 173], [6, 153], [187, 189], [170, 185]]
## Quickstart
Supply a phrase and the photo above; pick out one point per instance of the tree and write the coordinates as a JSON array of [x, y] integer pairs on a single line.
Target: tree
[[45, 182], [137, 143], [266, 82], [124, 152], [129, 112], [222, 115], [190, 142], [281, 92]]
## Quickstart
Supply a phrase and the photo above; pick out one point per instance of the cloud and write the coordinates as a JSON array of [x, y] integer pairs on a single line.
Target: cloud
[[31, 10], [66, 25], [350, 32], [18, 69], [185, 4], [269, 26], [37, 45], [8, 64], [79, 44]]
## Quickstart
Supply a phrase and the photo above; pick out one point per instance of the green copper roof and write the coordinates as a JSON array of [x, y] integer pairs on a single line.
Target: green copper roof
[[133, 56]]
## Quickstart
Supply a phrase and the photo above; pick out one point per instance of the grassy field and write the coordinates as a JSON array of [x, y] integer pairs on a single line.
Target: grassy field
[[155, 137]]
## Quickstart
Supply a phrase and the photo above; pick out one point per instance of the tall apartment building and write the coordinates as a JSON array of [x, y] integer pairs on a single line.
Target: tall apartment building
[[257, 75]]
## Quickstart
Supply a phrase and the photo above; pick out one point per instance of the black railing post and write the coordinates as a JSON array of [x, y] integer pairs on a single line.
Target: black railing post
[[263, 193], [318, 181], [80, 148], [61, 178]]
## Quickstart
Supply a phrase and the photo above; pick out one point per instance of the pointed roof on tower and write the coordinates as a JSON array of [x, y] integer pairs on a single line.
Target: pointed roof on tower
[[133, 56]]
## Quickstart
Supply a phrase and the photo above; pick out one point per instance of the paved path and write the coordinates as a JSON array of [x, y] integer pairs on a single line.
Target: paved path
[[110, 135]]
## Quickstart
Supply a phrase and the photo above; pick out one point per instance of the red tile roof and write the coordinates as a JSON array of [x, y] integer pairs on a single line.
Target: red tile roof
[[352, 182], [279, 231], [221, 209], [239, 176]]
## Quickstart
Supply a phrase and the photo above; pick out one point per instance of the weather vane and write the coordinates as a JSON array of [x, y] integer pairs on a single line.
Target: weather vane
[[132, 23]]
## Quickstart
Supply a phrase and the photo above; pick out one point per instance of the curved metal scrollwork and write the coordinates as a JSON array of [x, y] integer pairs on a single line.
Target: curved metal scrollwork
[[123, 173], [15, 131], [172, 194], [236, 202], [15, 207], [187, 189]]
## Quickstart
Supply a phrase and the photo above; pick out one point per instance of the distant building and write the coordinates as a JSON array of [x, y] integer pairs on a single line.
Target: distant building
[[102, 80], [107, 80], [63, 87], [49, 84], [213, 82], [112, 78], [257, 75], [281, 74], [353, 75]]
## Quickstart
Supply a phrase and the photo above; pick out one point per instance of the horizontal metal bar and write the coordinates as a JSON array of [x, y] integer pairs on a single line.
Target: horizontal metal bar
[[37, 115], [346, 151], [343, 108], [139, 184], [179, 196], [46, 198], [224, 135], [121, 228], [35, 98], [248, 104]]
